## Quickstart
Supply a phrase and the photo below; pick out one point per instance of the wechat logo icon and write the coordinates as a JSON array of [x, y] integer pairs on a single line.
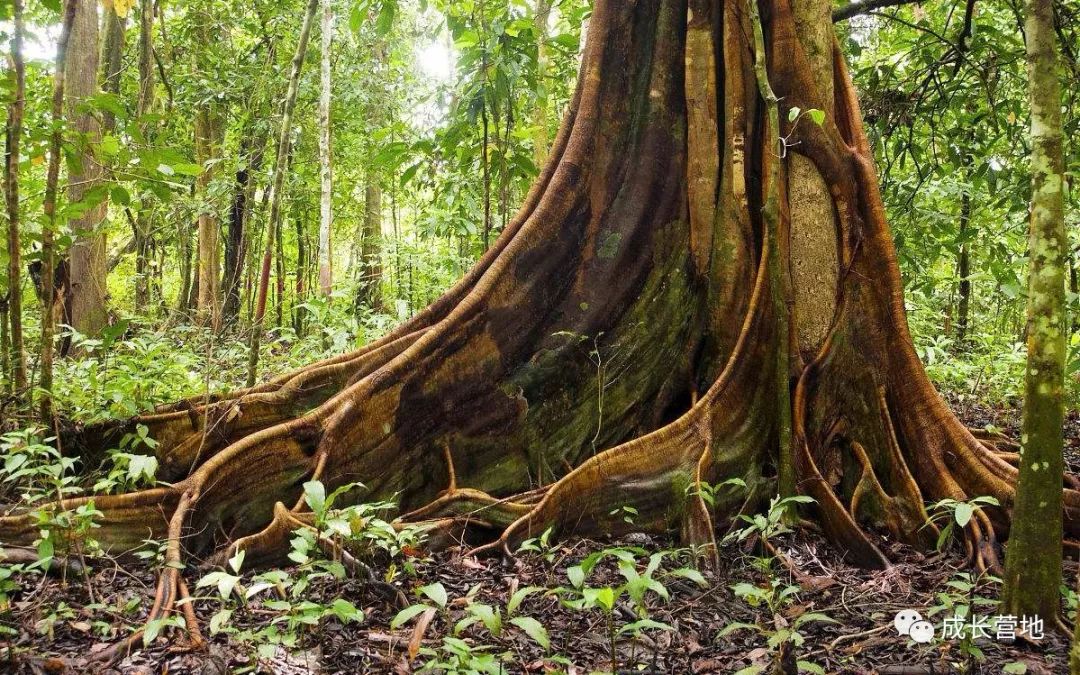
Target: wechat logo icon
[[910, 623]]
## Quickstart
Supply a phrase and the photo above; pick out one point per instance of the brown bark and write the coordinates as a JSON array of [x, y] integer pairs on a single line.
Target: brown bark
[[208, 138], [88, 256], [144, 103], [369, 291], [481, 412], [48, 228]]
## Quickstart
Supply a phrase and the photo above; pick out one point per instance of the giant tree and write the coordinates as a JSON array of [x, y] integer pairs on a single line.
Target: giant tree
[[661, 238]]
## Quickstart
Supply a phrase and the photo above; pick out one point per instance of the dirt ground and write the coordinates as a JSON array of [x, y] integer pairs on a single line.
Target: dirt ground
[[855, 633]]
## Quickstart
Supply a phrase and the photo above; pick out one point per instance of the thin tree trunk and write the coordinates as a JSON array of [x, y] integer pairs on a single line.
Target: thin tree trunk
[[143, 106], [11, 185], [370, 290], [89, 256], [301, 270], [5, 346], [207, 147], [112, 55], [279, 274], [485, 164], [52, 178], [541, 138], [1034, 555], [963, 268], [185, 301], [277, 183], [326, 274], [252, 147]]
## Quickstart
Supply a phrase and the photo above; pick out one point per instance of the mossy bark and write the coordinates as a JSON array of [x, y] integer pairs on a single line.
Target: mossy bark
[[1033, 561], [624, 341]]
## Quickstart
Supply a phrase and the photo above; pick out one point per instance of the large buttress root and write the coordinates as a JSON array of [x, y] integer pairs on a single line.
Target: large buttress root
[[620, 345]]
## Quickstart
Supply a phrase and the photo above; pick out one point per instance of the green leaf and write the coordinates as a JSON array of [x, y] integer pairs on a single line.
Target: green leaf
[[237, 560], [576, 575], [219, 621], [519, 595], [315, 496], [811, 617], [345, 611], [738, 625], [810, 667], [141, 467], [644, 624], [385, 22], [963, 514], [818, 116], [793, 114], [692, 575], [436, 592], [491, 617], [534, 629], [109, 145], [1015, 668], [407, 614]]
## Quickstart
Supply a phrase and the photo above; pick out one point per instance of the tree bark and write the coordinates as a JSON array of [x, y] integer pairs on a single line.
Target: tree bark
[[370, 287], [277, 184], [112, 55], [963, 270], [89, 256], [541, 140], [481, 414], [144, 104], [14, 345], [1033, 561], [326, 196], [208, 137], [48, 227]]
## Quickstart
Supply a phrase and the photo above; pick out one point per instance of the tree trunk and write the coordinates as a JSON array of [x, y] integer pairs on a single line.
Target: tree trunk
[[89, 256], [144, 104], [48, 226], [480, 413], [541, 16], [252, 149], [208, 136], [277, 184], [963, 270], [184, 300], [112, 58], [14, 343], [1033, 561], [301, 270], [326, 195], [370, 288]]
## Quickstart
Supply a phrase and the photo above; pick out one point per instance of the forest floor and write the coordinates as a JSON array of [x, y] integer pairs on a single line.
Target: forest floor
[[58, 626]]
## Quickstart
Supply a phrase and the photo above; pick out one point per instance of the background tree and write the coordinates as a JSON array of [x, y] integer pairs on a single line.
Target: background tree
[[1033, 564], [86, 193], [277, 186], [14, 128], [326, 196]]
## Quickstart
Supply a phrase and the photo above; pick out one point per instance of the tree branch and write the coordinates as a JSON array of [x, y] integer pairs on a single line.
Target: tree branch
[[865, 6]]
